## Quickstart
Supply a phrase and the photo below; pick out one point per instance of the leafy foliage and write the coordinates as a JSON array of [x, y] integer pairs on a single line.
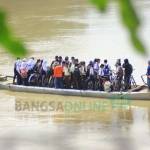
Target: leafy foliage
[[101, 4], [129, 19], [7, 40]]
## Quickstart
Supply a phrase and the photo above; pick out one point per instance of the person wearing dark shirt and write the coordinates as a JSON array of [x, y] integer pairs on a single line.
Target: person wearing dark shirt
[[148, 75], [127, 74]]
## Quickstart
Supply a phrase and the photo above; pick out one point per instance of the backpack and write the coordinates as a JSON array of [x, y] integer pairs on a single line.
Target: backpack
[[106, 70], [76, 72]]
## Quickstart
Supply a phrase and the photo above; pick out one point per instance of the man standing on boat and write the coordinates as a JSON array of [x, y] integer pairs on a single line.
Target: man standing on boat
[[127, 74], [148, 75], [58, 76]]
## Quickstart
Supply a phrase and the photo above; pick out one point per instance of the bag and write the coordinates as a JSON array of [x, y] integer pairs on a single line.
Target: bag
[[24, 73], [106, 70]]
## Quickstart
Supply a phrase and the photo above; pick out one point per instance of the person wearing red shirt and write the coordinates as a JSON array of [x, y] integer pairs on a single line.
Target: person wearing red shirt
[[58, 76]]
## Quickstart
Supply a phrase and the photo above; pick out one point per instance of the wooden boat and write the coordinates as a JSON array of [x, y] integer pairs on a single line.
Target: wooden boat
[[139, 93]]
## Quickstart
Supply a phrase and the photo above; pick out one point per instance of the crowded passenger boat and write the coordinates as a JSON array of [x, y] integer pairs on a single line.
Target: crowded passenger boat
[[75, 74], [70, 73]]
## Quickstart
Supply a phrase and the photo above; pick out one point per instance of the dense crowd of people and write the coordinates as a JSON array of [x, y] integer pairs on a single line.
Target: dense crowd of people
[[70, 73]]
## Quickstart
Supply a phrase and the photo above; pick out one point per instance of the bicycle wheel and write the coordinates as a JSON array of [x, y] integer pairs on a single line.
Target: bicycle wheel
[[51, 82], [90, 85]]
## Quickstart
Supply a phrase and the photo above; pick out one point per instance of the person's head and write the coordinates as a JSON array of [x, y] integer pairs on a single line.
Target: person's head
[[119, 64], [72, 58], [98, 60], [102, 66], [60, 58], [95, 60], [82, 63], [76, 61], [38, 61], [56, 58], [105, 61], [149, 62], [66, 58], [18, 58], [91, 63], [126, 61]]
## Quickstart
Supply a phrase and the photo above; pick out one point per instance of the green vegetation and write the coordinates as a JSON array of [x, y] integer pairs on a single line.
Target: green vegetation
[[7, 40], [129, 19]]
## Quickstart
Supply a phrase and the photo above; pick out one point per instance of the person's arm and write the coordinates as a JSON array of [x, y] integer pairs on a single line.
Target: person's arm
[[148, 72]]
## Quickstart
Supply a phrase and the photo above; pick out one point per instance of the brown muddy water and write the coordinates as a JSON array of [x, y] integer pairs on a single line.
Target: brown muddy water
[[36, 121], [73, 27]]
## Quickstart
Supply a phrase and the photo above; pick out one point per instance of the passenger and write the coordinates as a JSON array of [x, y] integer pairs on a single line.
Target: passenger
[[30, 65], [107, 70], [101, 77], [76, 75], [119, 77], [82, 69], [44, 67], [16, 72], [72, 68], [148, 75], [90, 76], [117, 62], [67, 75], [60, 59], [72, 59], [53, 62], [58, 76], [24, 72], [96, 66], [127, 74], [67, 60], [38, 66], [72, 64]]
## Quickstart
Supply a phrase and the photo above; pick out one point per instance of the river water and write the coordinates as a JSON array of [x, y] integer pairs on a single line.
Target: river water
[[73, 28]]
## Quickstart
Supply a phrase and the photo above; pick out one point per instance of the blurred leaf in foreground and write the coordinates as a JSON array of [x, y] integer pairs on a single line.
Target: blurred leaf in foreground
[[130, 20], [101, 4], [8, 41]]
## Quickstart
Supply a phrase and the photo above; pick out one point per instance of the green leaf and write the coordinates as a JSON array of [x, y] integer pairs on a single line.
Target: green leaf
[[101, 4], [138, 43], [132, 23], [129, 16], [8, 41]]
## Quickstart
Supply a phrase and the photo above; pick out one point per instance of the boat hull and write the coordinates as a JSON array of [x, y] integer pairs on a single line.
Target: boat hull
[[83, 93]]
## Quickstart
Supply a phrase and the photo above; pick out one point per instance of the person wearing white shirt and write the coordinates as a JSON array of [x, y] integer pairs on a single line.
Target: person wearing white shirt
[[30, 64], [96, 66], [67, 75]]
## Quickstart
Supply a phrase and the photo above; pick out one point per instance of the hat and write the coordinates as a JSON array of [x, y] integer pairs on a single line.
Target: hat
[[24, 59]]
